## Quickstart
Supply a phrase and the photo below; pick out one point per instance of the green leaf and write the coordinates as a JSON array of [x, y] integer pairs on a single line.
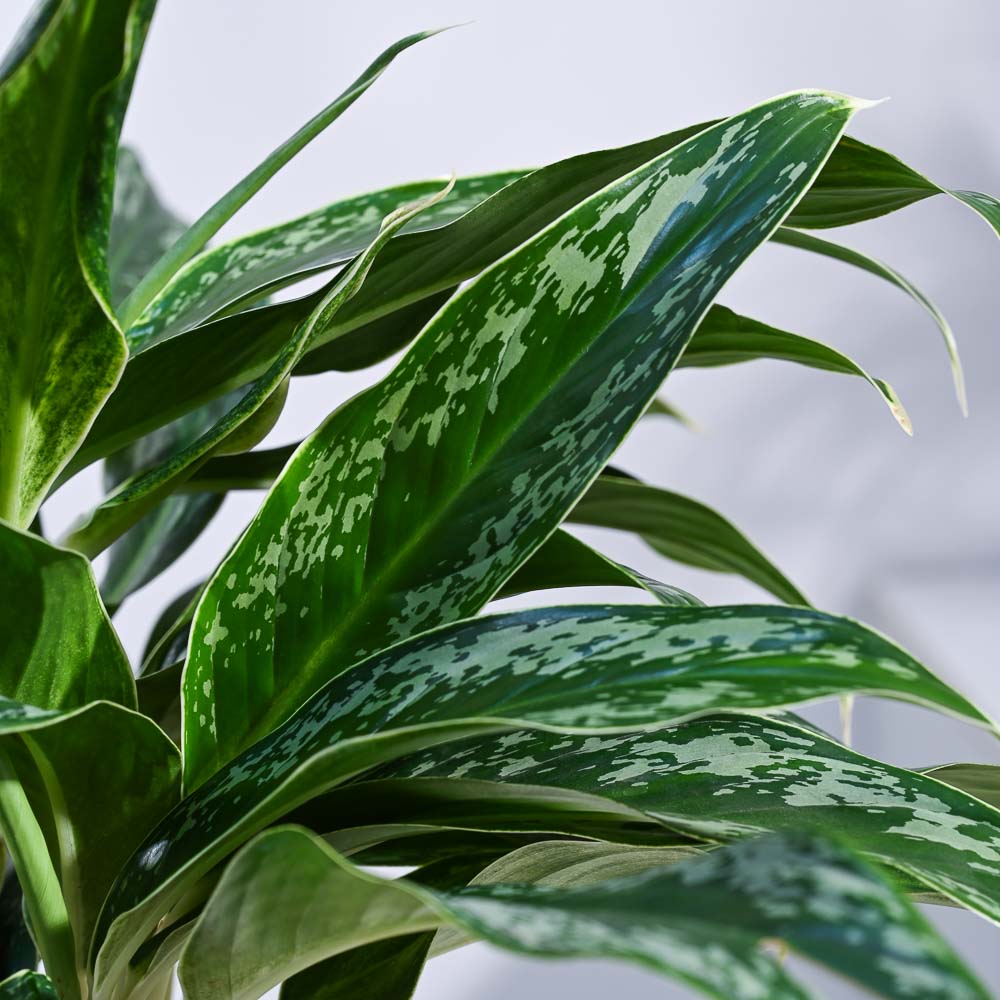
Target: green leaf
[[806, 241], [543, 377], [681, 529], [241, 271], [62, 96], [89, 827], [28, 986], [17, 950], [197, 236], [727, 338], [60, 648], [725, 778], [288, 898], [167, 640], [142, 227], [980, 780], [138, 495], [597, 669]]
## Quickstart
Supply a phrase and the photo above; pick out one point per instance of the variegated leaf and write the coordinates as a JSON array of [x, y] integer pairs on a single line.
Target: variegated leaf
[[288, 900], [62, 93], [595, 669], [513, 399]]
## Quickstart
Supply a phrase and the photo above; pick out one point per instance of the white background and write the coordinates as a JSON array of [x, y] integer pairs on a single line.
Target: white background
[[900, 532]]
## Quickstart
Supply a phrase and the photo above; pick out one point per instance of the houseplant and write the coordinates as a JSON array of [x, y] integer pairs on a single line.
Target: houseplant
[[622, 780]]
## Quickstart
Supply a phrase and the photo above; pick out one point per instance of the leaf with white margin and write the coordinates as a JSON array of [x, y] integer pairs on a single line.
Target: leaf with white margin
[[451, 471], [287, 900], [731, 777], [60, 649], [580, 669]]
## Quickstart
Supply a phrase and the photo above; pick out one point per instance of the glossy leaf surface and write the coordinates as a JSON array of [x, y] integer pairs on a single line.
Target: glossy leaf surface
[[481, 401]]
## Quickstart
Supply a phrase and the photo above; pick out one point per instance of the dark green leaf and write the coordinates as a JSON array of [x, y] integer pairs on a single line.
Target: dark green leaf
[[28, 986], [980, 780], [17, 950], [489, 429]]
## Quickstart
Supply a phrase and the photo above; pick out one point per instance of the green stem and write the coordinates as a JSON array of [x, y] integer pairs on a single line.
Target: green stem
[[25, 843]]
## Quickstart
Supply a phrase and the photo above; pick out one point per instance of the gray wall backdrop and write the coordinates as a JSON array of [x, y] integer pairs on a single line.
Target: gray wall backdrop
[[900, 532]]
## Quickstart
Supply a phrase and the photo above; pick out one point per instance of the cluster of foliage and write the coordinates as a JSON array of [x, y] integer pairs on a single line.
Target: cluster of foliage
[[613, 780]]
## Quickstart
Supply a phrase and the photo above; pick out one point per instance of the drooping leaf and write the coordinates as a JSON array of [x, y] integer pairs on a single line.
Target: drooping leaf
[[581, 669], [681, 529], [60, 649], [725, 338], [701, 921], [513, 399], [732, 777], [62, 93], [140, 494], [806, 241], [90, 827], [196, 237]]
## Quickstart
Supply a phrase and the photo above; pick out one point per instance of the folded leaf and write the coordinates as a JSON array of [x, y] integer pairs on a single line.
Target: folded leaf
[[288, 898], [727, 338], [60, 649], [599, 669], [62, 93], [489, 429]]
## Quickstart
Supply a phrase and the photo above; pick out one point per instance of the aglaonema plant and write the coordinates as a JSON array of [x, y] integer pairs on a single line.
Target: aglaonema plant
[[585, 780]]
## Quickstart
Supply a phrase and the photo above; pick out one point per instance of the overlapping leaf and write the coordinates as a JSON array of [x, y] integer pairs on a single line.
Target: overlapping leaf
[[581, 669], [62, 93], [288, 900], [480, 403], [724, 778]]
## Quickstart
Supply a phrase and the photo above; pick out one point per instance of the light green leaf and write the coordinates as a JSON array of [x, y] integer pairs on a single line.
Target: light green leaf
[[197, 236], [89, 827], [140, 494], [725, 338], [62, 93], [599, 669], [288, 900], [806, 241], [60, 648], [980, 780], [724, 778], [489, 429], [681, 529]]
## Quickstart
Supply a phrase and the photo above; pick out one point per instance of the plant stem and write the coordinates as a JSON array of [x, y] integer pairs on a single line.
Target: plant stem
[[25, 843]]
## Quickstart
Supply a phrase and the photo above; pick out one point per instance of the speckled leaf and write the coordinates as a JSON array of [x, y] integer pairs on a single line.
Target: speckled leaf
[[62, 93], [726, 338], [243, 270], [980, 780], [91, 826], [701, 921], [733, 777], [681, 529], [512, 399], [197, 236], [593, 669], [59, 648], [137, 496], [28, 986], [806, 241]]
